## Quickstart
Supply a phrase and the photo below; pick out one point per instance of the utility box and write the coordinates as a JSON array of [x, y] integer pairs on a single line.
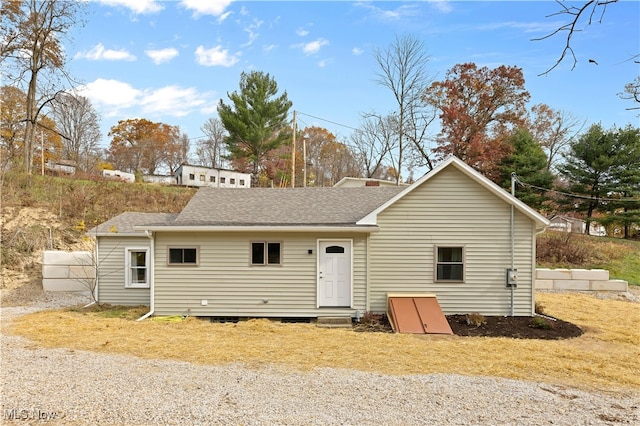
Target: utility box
[[512, 277]]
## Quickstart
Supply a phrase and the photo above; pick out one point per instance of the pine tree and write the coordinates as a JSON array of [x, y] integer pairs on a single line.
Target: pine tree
[[255, 120]]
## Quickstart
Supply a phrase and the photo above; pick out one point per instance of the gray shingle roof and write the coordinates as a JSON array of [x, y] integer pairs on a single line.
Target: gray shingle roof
[[282, 206], [125, 222]]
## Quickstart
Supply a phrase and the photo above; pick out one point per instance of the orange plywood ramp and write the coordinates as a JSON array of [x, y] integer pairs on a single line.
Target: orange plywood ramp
[[418, 314]]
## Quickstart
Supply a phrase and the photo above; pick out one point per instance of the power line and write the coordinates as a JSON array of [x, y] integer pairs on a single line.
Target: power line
[[328, 121], [568, 194]]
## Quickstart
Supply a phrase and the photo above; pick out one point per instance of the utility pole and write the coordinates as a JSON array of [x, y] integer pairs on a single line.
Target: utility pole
[[42, 150], [293, 153]]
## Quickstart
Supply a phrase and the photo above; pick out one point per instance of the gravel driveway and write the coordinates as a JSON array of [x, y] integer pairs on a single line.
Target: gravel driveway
[[65, 386]]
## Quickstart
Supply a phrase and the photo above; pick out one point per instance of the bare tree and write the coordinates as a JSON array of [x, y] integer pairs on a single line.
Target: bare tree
[[591, 11], [210, 151], [35, 54], [177, 153], [78, 123], [632, 92], [402, 69], [373, 143], [553, 130]]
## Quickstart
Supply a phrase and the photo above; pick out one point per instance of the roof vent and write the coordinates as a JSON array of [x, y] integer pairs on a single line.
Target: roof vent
[[372, 183]]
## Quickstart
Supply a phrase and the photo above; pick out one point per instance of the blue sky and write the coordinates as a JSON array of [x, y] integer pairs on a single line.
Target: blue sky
[[172, 61]]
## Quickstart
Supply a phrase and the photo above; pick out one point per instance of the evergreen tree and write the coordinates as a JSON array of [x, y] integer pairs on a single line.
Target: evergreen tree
[[529, 162], [256, 120], [623, 206], [589, 167]]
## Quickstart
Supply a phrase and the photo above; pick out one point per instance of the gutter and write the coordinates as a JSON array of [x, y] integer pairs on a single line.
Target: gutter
[[151, 277], [258, 228]]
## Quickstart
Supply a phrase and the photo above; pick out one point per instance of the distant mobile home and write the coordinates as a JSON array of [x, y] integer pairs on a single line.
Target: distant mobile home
[[119, 175], [312, 252], [189, 175]]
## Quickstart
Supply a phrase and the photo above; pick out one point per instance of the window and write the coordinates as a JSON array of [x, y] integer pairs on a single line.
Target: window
[[212, 179], [232, 181], [265, 253], [223, 180], [183, 255], [192, 176], [241, 182], [449, 264], [137, 270], [202, 178]]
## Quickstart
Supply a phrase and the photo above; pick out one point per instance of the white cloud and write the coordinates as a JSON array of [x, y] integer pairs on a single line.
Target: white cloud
[[136, 6], [172, 100], [216, 56], [357, 51], [324, 62], [252, 30], [302, 32], [398, 13], [207, 7], [269, 47], [99, 53], [110, 95], [162, 55], [115, 98], [313, 46], [443, 6]]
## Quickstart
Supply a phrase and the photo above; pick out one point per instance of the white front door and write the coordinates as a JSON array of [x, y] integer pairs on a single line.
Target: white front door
[[334, 274]]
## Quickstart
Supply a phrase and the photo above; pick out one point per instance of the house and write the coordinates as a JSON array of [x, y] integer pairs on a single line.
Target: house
[[312, 252], [189, 175], [350, 182], [575, 225]]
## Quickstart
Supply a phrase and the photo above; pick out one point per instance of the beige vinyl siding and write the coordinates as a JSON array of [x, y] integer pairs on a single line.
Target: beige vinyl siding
[[232, 287], [111, 271], [452, 210]]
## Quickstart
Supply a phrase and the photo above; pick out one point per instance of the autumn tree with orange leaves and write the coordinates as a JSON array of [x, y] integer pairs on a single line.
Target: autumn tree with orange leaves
[[479, 108], [140, 145], [327, 159]]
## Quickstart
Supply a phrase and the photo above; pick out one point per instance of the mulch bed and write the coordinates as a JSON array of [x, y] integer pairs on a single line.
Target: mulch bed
[[544, 328], [516, 327]]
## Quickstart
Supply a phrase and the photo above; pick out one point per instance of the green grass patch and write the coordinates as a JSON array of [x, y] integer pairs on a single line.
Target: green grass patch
[[565, 250]]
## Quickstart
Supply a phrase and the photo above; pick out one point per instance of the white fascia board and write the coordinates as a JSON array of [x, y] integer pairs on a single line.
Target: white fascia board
[[116, 234], [541, 221], [204, 228]]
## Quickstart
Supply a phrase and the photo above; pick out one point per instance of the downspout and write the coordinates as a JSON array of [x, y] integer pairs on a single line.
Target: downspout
[[367, 275], [513, 237], [149, 235]]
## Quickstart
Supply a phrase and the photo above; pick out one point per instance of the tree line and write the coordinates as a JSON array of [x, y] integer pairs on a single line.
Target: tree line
[[480, 114]]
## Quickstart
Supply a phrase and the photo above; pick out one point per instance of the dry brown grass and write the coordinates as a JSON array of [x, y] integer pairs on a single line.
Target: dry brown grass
[[605, 358]]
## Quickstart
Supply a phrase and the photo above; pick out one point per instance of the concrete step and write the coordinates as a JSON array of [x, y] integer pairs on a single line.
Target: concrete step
[[334, 322]]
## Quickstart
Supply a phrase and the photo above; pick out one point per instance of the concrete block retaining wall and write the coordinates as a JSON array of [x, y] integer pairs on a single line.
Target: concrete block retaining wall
[[578, 280], [67, 271]]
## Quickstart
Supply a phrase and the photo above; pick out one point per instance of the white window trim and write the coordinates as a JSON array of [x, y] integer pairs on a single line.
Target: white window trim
[[435, 263], [127, 263]]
